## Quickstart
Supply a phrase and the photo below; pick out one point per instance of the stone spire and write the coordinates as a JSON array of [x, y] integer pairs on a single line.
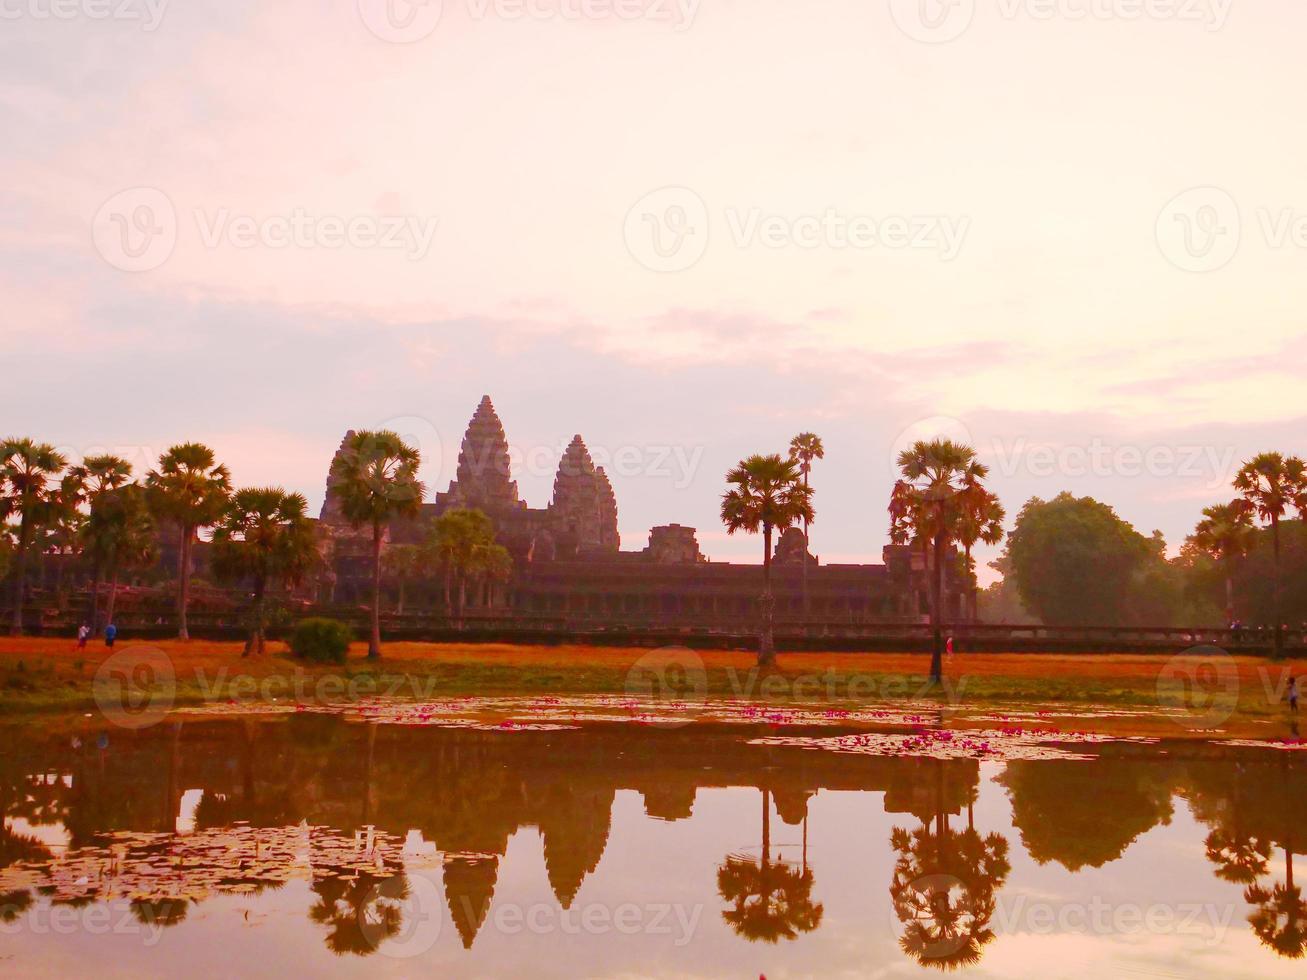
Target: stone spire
[[608, 536], [331, 513], [584, 506], [484, 479]]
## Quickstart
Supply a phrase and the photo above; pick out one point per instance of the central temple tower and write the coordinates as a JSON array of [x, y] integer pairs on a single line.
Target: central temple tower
[[483, 479]]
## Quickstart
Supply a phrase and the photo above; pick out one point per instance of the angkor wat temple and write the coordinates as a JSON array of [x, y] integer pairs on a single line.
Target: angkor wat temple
[[569, 563]]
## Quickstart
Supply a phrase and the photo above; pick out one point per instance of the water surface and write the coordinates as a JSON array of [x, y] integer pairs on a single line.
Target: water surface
[[283, 845]]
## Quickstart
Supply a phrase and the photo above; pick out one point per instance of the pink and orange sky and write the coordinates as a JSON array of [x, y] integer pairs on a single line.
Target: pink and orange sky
[[1072, 231]]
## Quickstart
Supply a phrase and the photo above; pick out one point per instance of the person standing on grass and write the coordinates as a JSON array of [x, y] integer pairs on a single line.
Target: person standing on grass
[[83, 634], [1291, 695], [110, 634]]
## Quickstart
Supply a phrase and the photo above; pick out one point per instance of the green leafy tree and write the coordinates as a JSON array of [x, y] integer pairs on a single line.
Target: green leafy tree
[[766, 494], [29, 472], [458, 541], [101, 474], [804, 449], [264, 538], [120, 535], [1076, 562], [189, 489], [1225, 535], [403, 563], [979, 519], [61, 533], [936, 476], [1273, 484], [376, 479], [492, 566]]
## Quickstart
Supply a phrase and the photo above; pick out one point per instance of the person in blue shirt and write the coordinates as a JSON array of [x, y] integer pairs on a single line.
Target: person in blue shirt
[[110, 634]]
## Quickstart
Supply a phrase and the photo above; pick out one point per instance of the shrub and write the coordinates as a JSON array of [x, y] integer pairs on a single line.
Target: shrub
[[321, 641]]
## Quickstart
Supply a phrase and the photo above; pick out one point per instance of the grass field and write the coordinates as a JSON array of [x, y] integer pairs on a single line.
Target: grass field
[[43, 675]]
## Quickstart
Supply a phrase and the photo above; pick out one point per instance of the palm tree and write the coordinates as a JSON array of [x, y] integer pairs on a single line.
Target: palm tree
[[190, 488], [264, 537], [935, 475], [804, 448], [27, 472], [1280, 918], [64, 523], [1225, 534], [945, 884], [99, 475], [120, 534], [376, 478], [403, 562], [458, 541], [980, 518], [1239, 858], [769, 901], [767, 494], [491, 565], [1271, 484]]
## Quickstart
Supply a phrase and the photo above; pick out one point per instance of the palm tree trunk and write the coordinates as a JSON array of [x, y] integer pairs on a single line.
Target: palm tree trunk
[[805, 552], [374, 641], [96, 574], [937, 607], [767, 641], [1278, 649], [973, 592], [1229, 593], [20, 574], [255, 645], [184, 582], [113, 595], [60, 596]]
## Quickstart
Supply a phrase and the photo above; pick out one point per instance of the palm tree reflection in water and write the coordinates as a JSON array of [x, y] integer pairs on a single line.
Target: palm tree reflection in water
[[769, 900], [944, 886]]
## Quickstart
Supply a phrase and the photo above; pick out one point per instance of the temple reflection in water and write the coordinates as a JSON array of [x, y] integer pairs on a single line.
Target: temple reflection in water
[[172, 817]]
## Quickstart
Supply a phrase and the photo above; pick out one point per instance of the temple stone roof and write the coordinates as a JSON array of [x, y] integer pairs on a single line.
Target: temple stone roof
[[484, 479], [331, 512], [584, 505]]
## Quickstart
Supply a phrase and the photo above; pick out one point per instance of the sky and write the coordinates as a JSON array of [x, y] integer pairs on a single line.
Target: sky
[[1071, 232]]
